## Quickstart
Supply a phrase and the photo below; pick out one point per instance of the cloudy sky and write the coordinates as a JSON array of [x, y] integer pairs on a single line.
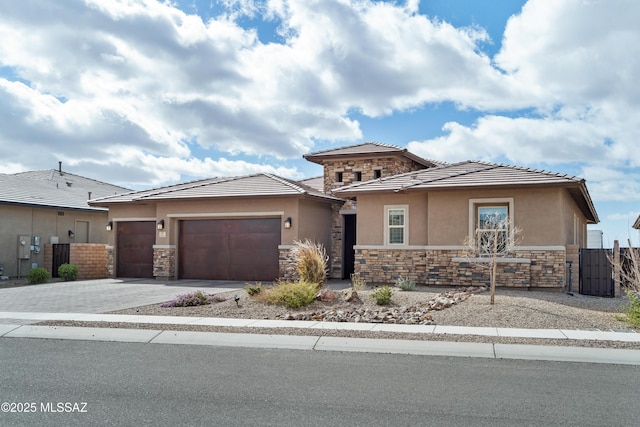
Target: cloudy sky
[[145, 93]]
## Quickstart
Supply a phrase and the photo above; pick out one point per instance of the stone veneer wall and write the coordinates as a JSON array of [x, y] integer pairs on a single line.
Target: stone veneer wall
[[164, 263], [111, 269], [285, 272], [388, 165], [544, 268]]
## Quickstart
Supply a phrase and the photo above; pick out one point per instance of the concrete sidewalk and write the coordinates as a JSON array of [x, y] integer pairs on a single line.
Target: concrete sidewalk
[[18, 325]]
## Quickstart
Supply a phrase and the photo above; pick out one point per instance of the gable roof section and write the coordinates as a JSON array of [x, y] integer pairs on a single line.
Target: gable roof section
[[376, 149], [474, 174], [637, 223], [257, 185], [53, 189], [315, 182]]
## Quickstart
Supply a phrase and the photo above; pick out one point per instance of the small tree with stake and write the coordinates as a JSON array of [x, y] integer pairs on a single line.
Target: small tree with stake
[[494, 237]]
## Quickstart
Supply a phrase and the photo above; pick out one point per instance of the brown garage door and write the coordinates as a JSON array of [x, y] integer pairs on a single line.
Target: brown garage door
[[135, 249], [229, 249]]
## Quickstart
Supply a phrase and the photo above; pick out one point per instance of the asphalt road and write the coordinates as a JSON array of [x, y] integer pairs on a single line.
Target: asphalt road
[[96, 383]]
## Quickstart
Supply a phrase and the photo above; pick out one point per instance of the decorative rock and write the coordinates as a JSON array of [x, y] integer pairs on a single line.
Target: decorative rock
[[350, 295]]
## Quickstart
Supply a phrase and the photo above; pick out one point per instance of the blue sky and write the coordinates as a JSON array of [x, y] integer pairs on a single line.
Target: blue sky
[[143, 93]]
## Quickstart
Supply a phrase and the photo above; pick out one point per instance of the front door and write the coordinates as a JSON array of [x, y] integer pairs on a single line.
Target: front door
[[349, 254]]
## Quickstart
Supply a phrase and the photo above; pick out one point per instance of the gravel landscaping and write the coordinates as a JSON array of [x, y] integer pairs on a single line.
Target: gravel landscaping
[[468, 307]]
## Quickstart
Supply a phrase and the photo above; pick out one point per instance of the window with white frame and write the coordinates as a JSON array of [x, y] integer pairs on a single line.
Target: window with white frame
[[396, 225]]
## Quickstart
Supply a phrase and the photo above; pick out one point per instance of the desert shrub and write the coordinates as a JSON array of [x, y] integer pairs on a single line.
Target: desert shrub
[[405, 283], [193, 299], [38, 275], [290, 294], [357, 282], [68, 272], [382, 295], [310, 262], [253, 289], [632, 309]]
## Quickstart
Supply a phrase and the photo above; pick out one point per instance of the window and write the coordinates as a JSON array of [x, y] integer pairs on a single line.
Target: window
[[357, 176], [396, 225], [493, 229], [377, 173], [338, 176]]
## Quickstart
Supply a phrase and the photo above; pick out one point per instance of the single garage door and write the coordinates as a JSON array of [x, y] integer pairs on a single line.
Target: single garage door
[[229, 249], [135, 249]]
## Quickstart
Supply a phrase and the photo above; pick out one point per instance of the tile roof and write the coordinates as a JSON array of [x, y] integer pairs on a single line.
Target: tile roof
[[53, 189], [368, 149], [257, 185], [474, 174], [315, 182]]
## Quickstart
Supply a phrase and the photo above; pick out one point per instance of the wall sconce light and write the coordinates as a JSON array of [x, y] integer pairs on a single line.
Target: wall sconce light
[[109, 226], [161, 224], [72, 234], [287, 223]]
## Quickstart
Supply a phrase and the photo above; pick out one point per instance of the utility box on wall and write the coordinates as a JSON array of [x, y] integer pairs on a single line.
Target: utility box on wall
[[24, 247]]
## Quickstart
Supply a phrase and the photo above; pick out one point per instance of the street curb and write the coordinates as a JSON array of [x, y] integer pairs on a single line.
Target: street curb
[[318, 343]]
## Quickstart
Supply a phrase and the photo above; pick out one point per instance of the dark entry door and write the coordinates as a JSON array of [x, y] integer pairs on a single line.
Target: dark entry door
[[229, 249], [135, 248], [349, 241]]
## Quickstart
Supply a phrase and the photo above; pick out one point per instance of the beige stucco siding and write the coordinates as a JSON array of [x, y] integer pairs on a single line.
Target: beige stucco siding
[[315, 222], [442, 218], [309, 218], [45, 223], [370, 224]]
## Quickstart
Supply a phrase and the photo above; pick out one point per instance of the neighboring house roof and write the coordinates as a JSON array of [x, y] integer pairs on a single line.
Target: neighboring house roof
[[475, 174], [53, 188], [637, 223], [368, 149], [258, 185]]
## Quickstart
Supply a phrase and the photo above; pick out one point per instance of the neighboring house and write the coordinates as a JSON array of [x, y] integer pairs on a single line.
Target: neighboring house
[[380, 210], [636, 224], [43, 207]]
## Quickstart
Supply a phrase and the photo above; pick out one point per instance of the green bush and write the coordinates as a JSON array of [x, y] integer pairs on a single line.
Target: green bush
[[253, 289], [68, 272], [38, 275], [632, 309], [290, 294], [382, 295], [405, 283]]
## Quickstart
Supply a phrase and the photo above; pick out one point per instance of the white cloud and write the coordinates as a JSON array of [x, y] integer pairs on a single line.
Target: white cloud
[[140, 77], [581, 61], [629, 216]]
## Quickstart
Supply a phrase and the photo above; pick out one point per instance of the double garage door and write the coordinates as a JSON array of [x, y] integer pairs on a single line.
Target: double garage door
[[229, 249], [217, 249]]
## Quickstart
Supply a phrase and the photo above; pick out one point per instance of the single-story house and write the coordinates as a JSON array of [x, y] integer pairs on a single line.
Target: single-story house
[[380, 210], [42, 207]]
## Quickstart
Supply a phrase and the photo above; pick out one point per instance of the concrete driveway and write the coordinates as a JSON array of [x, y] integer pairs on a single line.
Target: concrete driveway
[[99, 296]]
